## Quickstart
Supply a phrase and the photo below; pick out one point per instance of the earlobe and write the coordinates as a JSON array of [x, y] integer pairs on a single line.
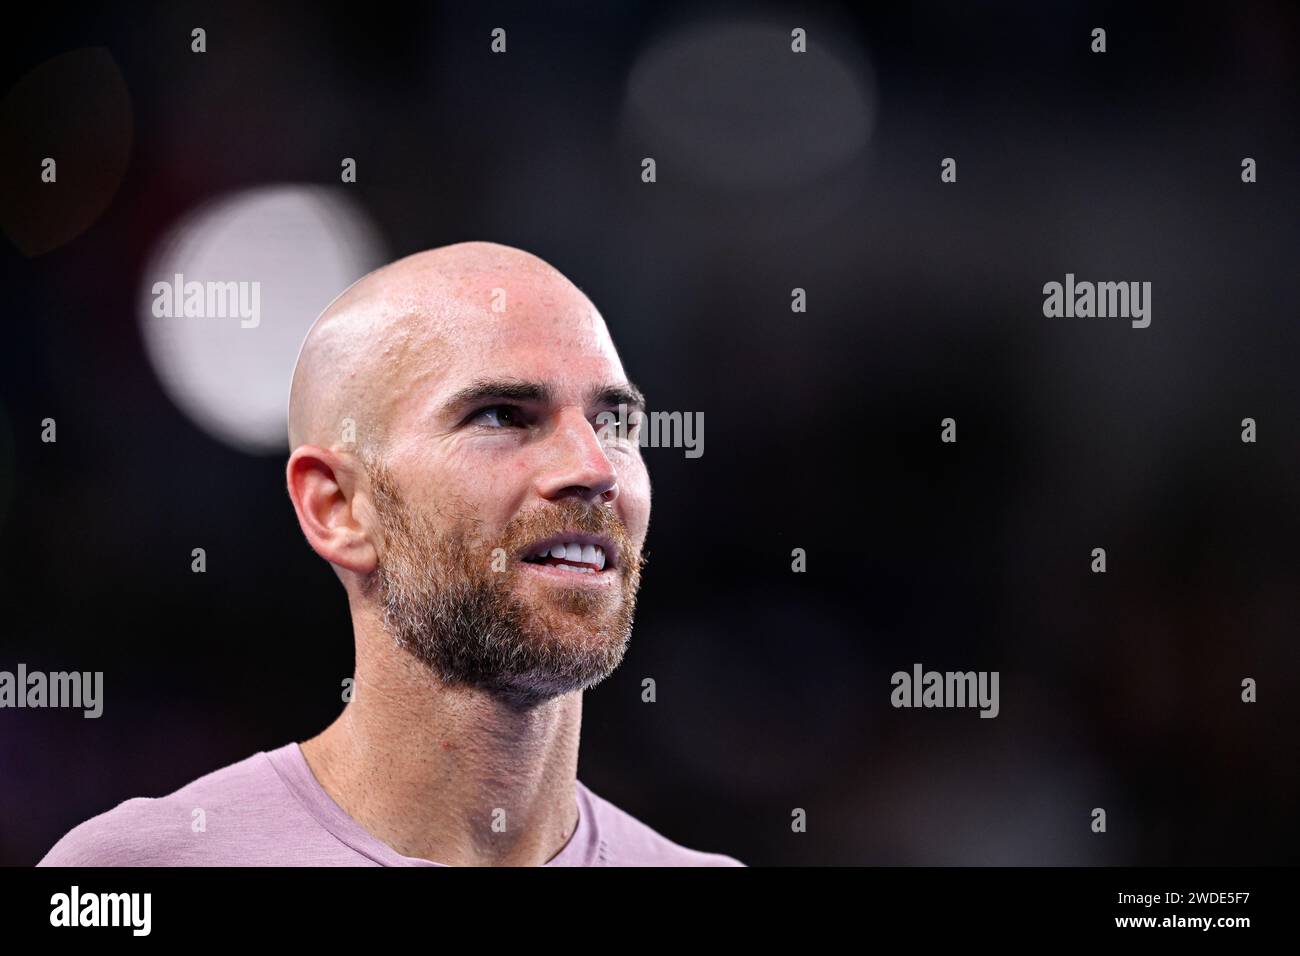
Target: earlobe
[[322, 486]]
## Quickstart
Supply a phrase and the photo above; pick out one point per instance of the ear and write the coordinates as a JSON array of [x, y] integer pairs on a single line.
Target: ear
[[338, 523]]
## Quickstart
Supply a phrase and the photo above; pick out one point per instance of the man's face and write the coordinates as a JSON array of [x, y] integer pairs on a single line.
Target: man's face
[[513, 525]]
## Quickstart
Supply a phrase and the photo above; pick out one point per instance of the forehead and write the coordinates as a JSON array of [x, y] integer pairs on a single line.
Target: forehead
[[515, 324], [545, 329]]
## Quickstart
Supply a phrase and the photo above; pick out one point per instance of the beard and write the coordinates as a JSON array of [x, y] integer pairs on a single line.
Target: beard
[[455, 602]]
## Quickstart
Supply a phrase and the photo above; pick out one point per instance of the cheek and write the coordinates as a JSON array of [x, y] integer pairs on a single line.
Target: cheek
[[634, 498], [455, 501], [498, 492], [489, 486], [495, 496]]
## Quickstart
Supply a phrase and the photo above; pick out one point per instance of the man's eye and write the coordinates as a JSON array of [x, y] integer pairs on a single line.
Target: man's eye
[[499, 416]]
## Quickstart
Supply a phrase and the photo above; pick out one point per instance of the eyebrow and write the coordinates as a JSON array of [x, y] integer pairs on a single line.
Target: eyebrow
[[626, 394], [518, 390]]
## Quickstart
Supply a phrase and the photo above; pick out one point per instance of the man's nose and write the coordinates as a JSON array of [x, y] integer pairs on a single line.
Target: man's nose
[[576, 464]]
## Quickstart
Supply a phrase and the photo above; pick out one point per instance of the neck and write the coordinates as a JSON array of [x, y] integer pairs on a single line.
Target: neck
[[449, 774]]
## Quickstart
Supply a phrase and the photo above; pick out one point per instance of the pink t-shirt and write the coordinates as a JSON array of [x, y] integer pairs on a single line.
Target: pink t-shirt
[[269, 810]]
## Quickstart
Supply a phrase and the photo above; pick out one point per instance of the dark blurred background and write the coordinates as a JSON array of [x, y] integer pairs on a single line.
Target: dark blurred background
[[775, 171]]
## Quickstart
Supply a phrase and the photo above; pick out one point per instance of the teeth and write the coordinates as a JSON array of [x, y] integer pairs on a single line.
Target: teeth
[[592, 554]]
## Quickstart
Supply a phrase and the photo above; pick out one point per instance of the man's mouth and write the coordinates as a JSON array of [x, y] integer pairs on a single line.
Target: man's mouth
[[575, 552]]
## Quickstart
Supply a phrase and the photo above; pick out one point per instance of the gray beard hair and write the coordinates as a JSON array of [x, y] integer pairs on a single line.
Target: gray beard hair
[[444, 605]]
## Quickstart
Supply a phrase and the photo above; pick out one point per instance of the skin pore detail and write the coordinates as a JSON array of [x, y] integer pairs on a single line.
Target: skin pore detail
[[489, 541]]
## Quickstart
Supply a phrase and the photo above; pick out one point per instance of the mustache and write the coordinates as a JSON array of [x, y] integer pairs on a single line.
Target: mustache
[[569, 515]]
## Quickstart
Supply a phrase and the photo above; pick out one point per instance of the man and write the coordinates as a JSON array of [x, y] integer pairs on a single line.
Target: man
[[452, 460]]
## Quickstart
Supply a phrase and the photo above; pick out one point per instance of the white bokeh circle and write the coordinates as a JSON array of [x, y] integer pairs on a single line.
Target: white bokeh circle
[[302, 245]]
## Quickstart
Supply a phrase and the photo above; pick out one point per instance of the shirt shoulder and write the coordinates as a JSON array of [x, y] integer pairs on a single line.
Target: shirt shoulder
[[626, 841], [239, 815]]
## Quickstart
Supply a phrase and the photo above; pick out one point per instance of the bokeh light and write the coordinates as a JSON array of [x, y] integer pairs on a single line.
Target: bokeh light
[[290, 250]]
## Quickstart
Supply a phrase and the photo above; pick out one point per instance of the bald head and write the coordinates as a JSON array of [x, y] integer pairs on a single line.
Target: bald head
[[443, 417], [400, 326]]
